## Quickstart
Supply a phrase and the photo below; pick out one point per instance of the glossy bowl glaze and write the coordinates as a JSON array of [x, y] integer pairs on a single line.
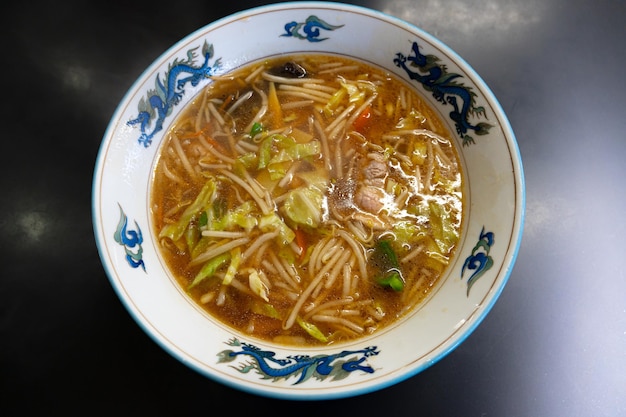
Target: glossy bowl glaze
[[491, 235]]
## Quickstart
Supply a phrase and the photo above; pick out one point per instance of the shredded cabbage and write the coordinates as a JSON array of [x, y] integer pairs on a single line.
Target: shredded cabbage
[[304, 206], [240, 216], [209, 269], [312, 329], [442, 226], [203, 201], [235, 260], [414, 120], [257, 285], [272, 222], [277, 153]]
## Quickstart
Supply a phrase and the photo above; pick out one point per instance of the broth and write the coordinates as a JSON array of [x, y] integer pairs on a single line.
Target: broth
[[307, 199]]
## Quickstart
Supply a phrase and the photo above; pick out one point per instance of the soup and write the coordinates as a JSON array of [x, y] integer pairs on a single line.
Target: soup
[[307, 199]]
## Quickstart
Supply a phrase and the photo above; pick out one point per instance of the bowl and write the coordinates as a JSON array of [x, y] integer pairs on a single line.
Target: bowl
[[474, 276]]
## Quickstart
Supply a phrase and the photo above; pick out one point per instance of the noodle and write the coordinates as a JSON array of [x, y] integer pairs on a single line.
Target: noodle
[[239, 102], [218, 249]]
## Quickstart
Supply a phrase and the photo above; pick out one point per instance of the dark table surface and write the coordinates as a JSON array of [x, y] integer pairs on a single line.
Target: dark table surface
[[553, 345]]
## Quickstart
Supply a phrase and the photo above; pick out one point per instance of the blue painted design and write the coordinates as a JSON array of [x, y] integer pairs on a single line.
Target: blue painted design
[[437, 80], [169, 92], [479, 261], [309, 29], [131, 240], [337, 366]]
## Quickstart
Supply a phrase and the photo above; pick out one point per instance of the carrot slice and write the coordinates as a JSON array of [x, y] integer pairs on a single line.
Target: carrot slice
[[362, 120]]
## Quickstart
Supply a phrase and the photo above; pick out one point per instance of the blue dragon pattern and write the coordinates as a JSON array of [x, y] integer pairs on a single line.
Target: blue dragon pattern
[[447, 90], [309, 29], [168, 93], [479, 261], [131, 240], [321, 367]]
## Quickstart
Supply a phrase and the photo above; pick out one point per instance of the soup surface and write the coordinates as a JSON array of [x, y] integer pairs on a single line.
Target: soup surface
[[307, 199]]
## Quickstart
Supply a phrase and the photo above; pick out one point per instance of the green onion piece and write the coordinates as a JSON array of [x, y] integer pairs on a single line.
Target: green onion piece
[[256, 129]]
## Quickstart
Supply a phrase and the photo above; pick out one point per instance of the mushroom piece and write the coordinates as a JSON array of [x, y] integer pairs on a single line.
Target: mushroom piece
[[289, 70]]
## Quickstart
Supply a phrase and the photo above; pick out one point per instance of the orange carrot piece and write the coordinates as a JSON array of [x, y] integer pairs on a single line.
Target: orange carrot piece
[[362, 120]]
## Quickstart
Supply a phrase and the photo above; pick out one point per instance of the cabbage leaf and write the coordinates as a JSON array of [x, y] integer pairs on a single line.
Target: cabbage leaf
[[203, 201], [303, 206]]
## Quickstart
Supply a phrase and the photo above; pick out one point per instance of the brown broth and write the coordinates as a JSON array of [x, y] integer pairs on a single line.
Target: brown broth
[[346, 175]]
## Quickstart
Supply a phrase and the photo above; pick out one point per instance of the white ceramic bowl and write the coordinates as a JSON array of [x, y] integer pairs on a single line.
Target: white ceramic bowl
[[489, 242]]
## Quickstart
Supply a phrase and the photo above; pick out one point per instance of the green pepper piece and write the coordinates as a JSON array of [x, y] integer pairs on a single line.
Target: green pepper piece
[[392, 280], [386, 260]]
